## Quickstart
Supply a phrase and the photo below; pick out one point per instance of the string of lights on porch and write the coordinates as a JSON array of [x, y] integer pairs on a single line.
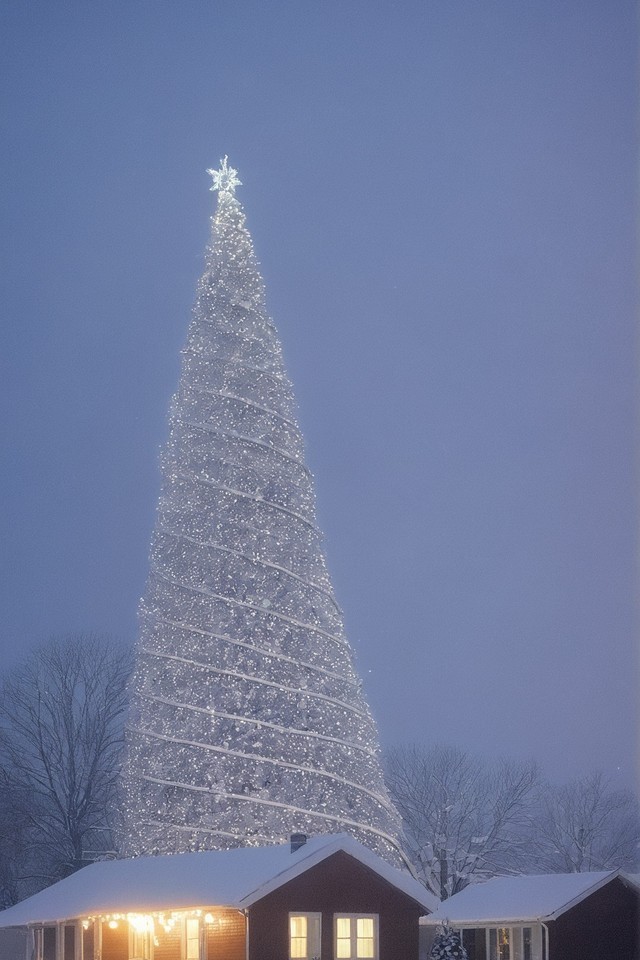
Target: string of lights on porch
[[248, 721], [168, 920]]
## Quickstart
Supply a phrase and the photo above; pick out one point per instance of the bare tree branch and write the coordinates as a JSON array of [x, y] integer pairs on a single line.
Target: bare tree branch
[[61, 720], [586, 825], [462, 821]]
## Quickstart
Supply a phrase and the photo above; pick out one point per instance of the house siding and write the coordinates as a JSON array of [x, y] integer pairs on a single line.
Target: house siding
[[602, 927], [13, 943], [115, 942], [225, 939], [167, 944], [340, 884]]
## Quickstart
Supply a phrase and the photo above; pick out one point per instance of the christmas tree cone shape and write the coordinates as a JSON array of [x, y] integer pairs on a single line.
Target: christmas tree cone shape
[[247, 720]]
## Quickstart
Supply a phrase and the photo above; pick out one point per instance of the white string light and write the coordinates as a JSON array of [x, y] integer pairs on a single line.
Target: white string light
[[248, 721]]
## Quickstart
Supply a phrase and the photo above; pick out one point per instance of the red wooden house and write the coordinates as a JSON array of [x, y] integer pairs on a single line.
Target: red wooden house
[[329, 898], [559, 916]]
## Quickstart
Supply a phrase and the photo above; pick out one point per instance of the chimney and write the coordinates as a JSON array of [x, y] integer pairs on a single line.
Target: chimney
[[297, 840]]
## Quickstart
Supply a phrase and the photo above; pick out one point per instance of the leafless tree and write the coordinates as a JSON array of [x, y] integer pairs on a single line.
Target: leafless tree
[[13, 842], [463, 820], [586, 825], [61, 720]]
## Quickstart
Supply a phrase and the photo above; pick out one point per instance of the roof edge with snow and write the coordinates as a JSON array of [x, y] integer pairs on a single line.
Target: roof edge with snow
[[487, 913], [234, 878], [347, 844]]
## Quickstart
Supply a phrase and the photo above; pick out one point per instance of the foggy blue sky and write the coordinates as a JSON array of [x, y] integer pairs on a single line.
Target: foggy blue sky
[[442, 198]]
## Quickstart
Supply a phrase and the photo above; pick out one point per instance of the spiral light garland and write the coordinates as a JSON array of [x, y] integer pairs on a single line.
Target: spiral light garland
[[247, 721]]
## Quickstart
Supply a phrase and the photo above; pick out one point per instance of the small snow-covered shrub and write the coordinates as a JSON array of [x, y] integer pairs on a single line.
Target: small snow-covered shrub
[[448, 946]]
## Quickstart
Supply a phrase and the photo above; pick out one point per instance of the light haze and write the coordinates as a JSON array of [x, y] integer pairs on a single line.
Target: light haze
[[442, 198]]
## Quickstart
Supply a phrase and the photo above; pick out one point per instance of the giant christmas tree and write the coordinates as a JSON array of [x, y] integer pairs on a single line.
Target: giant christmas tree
[[247, 719]]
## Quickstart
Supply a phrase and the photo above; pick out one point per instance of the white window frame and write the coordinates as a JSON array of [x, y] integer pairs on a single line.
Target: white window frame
[[146, 937], [37, 937], [38, 940], [354, 917], [495, 931], [77, 939], [36, 946], [313, 950], [185, 937], [516, 941]]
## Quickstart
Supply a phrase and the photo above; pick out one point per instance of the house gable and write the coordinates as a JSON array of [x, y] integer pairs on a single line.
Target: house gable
[[604, 926], [340, 884]]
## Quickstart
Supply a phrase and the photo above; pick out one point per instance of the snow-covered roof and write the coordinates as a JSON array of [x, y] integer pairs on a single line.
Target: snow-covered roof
[[519, 899], [231, 878]]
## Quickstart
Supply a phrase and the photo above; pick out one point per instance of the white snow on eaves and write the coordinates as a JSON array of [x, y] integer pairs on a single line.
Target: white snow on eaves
[[519, 899], [232, 878]]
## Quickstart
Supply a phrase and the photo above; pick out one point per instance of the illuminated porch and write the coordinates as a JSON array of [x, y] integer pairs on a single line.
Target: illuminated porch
[[161, 935]]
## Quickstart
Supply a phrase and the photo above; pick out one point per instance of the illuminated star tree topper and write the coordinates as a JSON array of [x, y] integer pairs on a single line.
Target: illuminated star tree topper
[[225, 180]]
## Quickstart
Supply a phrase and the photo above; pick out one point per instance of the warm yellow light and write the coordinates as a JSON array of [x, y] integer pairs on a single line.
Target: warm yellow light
[[113, 924], [208, 918], [141, 922]]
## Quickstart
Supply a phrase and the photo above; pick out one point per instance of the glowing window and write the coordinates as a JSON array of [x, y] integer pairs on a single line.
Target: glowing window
[[140, 944], [500, 943], [192, 939], [304, 936], [510, 943], [356, 937]]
